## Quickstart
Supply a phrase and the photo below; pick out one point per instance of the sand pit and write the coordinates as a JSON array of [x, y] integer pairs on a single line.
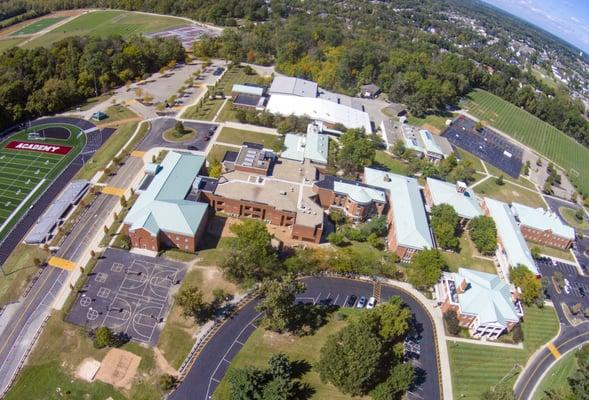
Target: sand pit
[[87, 369], [118, 368]]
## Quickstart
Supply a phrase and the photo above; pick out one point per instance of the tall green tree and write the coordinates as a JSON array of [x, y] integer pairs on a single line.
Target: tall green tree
[[529, 283], [483, 233], [250, 255], [357, 151], [278, 302], [426, 268], [445, 224]]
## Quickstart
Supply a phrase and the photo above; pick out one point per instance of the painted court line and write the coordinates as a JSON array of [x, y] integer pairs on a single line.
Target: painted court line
[[553, 350]]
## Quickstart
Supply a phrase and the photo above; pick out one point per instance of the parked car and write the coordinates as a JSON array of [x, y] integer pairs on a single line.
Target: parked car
[[191, 147], [351, 301], [567, 290], [361, 303], [566, 282], [371, 303]]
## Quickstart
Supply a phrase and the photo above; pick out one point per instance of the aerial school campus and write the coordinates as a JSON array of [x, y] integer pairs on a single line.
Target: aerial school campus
[[212, 227]]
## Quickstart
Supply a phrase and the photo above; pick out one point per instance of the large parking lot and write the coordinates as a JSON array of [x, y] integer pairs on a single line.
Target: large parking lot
[[128, 293], [578, 288]]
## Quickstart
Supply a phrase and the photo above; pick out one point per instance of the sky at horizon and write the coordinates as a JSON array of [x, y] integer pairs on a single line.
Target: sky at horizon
[[567, 19]]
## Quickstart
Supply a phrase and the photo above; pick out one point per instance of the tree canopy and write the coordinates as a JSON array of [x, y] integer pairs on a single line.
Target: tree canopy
[[426, 268], [278, 302], [445, 224], [483, 233], [529, 283]]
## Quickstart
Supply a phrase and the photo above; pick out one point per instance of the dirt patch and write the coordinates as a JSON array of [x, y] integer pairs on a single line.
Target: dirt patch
[[162, 363], [212, 278], [274, 339], [119, 368], [87, 369], [431, 128], [515, 194]]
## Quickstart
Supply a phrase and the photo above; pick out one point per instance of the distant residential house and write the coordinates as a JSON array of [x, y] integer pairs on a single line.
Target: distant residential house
[[409, 230], [543, 227], [484, 304], [314, 146], [358, 200], [512, 247], [458, 195], [369, 91]]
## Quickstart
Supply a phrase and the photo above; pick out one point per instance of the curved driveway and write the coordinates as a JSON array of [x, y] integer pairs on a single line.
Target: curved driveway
[[214, 360]]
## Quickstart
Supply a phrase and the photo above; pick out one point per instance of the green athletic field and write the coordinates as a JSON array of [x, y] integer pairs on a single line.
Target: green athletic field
[[25, 174], [533, 132], [37, 26], [105, 23]]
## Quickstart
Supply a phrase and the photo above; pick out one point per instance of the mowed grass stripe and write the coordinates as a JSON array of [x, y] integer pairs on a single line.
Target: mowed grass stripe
[[533, 132]]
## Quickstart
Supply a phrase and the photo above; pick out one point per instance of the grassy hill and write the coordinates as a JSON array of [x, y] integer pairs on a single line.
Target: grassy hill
[[533, 132]]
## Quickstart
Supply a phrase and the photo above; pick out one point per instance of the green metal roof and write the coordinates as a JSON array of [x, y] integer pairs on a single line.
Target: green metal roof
[[162, 206], [466, 204], [486, 296]]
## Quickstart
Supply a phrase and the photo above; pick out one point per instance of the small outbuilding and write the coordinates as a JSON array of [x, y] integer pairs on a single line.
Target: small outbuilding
[[369, 91]]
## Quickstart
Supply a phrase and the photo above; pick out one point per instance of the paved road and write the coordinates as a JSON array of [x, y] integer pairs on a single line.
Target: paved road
[[569, 339], [160, 125], [213, 362]]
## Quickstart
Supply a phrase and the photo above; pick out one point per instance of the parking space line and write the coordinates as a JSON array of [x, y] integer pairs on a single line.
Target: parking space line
[[239, 343], [345, 301], [335, 301], [317, 299]]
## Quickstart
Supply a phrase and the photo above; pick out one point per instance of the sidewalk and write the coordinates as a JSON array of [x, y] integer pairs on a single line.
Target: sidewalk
[[518, 346]]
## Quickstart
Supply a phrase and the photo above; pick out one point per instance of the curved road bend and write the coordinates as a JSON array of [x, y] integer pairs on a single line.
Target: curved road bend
[[214, 360], [569, 338]]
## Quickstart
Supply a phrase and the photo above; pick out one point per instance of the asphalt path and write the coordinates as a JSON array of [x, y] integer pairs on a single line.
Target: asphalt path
[[215, 358], [14, 237], [569, 339], [158, 126]]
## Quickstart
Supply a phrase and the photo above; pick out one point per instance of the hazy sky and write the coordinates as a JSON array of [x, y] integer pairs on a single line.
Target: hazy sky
[[568, 19]]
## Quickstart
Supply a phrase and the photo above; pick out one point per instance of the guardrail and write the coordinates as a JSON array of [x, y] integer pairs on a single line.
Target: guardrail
[[25, 357]]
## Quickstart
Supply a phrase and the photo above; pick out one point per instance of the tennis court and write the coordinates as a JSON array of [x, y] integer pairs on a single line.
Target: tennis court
[[29, 161]]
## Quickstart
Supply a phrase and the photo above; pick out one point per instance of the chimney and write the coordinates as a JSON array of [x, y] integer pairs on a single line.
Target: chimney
[[461, 187]]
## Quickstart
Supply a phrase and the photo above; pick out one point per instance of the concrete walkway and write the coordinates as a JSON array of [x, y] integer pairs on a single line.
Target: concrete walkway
[[518, 346]]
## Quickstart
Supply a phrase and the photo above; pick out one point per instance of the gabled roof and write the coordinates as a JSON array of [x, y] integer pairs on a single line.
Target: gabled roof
[[162, 206], [486, 296], [465, 204], [510, 235], [409, 215], [541, 219]]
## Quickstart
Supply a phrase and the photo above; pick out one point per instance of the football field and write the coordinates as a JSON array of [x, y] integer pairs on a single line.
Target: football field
[[28, 165], [533, 132]]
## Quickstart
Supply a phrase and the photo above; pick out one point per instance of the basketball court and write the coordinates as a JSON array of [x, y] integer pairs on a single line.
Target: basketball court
[[128, 293]]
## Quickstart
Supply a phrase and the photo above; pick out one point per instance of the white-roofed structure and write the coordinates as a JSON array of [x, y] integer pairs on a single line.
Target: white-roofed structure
[[253, 90], [422, 141], [319, 109], [293, 86], [483, 303], [313, 146], [513, 249], [409, 230], [542, 226], [458, 195]]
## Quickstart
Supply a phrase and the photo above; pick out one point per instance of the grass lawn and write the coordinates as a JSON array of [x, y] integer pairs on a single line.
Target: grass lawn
[[238, 136], [19, 269], [261, 345], [105, 23], [37, 26], [435, 121], [509, 193], [117, 113], [569, 216], [112, 146], [476, 162], [533, 132], [550, 251], [521, 180], [8, 43], [172, 135], [556, 378], [385, 160], [475, 368], [205, 112], [227, 113], [218, 152], [466, 258]]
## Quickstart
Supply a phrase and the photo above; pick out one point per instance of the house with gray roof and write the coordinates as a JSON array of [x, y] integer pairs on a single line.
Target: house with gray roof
[[543, 227], [167, 212], [512, 247], [484, 304], [458, 195], [409, 230]]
